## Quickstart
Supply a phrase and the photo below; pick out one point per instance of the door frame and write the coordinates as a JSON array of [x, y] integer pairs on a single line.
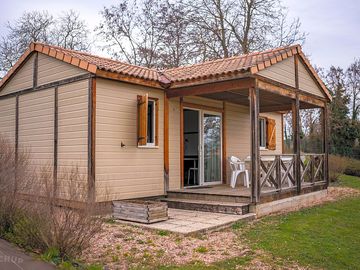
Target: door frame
[[202, 180], [199, 107]]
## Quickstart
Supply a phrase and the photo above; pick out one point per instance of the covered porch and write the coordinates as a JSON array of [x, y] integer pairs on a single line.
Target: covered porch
[[273, 175]]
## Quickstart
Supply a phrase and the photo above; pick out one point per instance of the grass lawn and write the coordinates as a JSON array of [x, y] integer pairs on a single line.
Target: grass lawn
[[326, 236]]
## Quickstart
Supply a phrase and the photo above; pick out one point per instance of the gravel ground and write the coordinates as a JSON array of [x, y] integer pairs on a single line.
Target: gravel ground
[[121, 246]]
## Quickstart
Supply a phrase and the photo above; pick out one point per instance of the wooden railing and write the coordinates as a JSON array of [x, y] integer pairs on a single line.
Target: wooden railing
[[278, 172], [312, 168]]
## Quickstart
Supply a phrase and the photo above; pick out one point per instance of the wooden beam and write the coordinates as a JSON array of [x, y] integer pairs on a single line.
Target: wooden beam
[[325, 124], [181, 143], [166, 143], [48, 85], [255, 148], [305, 97], [128, 79], [296, 66], [296, 141], [275, 108], [56, 124], [282, 133], [224, 161], [215, 87], [35, 69], [288, 91], [202, 107], [16, 129], [276, 89], [91, 138]]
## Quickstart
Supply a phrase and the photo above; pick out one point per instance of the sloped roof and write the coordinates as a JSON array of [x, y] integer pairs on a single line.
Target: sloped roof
[[197, 73], [252, 62]]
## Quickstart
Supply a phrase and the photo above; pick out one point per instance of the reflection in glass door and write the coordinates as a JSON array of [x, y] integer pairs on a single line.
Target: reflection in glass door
[[212, 148]]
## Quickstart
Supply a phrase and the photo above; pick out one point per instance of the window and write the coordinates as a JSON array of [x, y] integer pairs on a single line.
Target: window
[[151, 123], [147, 121], [267, 133], [262, 133]]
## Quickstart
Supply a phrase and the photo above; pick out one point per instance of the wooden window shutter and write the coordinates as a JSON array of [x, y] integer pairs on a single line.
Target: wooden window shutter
[[271, 134], [157, 122], [142, 119]]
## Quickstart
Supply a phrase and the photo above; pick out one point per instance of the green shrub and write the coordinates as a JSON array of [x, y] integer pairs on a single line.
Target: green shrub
[[353, 167], [337, 166]]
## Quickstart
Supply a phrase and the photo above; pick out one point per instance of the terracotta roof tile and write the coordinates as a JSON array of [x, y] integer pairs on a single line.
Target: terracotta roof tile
[[249, 63], [252, 62], [88, 61]]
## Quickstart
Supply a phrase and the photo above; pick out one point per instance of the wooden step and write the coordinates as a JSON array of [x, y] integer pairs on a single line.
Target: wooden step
[[208, 206], [189, 195]]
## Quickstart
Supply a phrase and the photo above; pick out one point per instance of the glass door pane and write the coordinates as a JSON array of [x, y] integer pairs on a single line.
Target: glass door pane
[[212, 170]]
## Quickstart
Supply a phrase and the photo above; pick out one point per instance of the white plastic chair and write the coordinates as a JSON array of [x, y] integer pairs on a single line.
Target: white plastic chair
[[238, 167]]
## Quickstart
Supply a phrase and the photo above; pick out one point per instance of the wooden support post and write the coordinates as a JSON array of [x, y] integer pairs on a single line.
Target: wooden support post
[[255, 149], [296, 141], [181, 142], [166, 143], [325, 125], [224, 174]]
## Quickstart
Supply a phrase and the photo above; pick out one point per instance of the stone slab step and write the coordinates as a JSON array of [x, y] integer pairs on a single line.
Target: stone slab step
[[208, 206]]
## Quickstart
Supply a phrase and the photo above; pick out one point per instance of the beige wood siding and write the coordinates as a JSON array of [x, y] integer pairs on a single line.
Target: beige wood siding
[[73, 131], [36, 128], [51, 69], [127, 172], [7, 118], [204, 101], [22, 79], [237, 125], [283, 72], [307, 82], [279, 133], [174, 143], [238, 131]]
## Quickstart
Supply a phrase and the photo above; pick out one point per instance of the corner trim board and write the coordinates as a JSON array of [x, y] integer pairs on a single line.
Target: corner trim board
[[35, 70], [55, 168], [166, 143], [91, 138], [16, 129]]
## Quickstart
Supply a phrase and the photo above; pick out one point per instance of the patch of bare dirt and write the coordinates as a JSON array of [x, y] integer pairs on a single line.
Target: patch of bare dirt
[[120, 246]]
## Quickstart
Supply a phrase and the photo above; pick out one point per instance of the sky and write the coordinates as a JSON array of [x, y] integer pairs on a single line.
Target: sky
[[332, 26]]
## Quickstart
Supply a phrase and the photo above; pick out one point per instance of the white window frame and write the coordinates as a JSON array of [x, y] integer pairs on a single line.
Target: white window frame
[[262, 130]]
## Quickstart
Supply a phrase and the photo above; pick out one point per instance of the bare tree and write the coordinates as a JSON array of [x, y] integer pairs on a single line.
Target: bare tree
[[177, 45], [243, 26], [166, 34], [31, 26], [39, 26], [133, 33], [71, 32], [353, 87]]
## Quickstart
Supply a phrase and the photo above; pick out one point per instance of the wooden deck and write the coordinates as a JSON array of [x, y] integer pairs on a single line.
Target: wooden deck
[[223, 189], [225, 193]]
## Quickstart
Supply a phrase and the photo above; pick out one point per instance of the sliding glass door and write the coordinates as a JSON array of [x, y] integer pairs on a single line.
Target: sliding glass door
[[212, 148]]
